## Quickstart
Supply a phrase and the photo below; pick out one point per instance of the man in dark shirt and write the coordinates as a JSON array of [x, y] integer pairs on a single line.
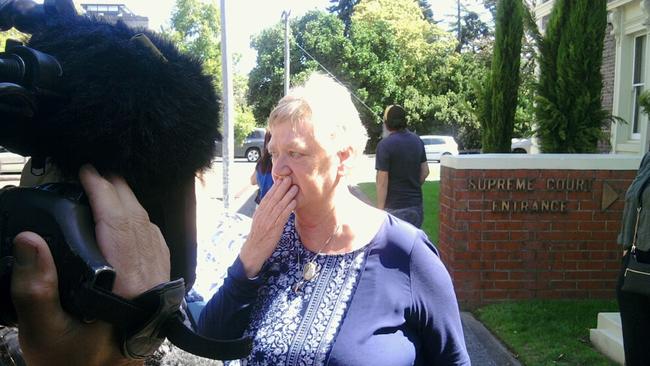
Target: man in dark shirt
[[401, 165]]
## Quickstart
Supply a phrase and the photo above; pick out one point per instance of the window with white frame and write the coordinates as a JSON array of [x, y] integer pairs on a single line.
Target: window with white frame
[[638, 83]]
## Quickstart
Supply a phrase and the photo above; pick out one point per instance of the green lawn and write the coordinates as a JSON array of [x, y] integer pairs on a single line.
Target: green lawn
[[548, 332], [430, 191], [539, 332]]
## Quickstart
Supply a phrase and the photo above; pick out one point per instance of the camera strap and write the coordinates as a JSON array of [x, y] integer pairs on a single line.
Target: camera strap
[[157, 314]]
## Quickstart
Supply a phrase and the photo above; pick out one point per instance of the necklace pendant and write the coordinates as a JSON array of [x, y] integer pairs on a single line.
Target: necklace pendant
[[309, 271], [297, 287]]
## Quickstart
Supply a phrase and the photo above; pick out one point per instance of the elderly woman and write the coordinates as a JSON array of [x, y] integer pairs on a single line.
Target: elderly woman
[[323, 278]]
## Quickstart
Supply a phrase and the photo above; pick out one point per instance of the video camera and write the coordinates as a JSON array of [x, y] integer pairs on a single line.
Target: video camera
[[126, 101]]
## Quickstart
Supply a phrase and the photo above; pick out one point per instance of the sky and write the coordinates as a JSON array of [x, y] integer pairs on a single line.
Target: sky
[[248, 17]]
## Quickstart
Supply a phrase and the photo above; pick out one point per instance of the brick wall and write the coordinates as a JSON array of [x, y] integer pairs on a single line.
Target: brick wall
[[497, 248], [607, 69]]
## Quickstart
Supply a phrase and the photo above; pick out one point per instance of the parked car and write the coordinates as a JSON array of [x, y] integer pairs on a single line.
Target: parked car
[[436, 146], [11, 163], [523, 146], [250, 148]]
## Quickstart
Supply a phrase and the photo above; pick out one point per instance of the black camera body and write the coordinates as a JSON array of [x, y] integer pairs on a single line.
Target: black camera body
[[127, 101], [58, 212]]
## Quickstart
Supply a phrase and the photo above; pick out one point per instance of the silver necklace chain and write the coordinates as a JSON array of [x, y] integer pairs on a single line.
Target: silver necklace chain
[[310, 270]]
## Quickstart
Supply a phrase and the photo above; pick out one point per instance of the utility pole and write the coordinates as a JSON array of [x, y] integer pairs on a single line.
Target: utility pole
[[228, 145], [287, 61], [460, 36]]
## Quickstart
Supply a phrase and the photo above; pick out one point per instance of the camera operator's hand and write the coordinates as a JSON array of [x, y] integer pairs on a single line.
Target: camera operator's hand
[[129, 242]]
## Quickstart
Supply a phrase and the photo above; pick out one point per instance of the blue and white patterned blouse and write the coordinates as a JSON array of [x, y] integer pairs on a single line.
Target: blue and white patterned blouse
[[292, 328], [391, 303]]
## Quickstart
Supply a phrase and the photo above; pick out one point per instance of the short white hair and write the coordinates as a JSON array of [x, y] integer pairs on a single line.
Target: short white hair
[[328, 106]]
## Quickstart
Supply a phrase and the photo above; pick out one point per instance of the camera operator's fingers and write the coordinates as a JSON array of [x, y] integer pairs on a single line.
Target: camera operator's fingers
[[110, 197], [149, 260], [128, 240], [34, 290], [127, 198], [103, 198]]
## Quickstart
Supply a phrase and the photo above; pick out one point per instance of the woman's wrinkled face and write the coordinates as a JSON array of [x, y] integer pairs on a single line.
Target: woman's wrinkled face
[[297, 154]]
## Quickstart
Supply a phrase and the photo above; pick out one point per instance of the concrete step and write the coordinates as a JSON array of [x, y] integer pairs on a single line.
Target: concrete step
[[611, 322], [608, 338]]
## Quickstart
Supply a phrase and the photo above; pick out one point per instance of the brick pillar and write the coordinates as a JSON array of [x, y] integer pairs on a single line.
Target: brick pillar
[[532, 233]]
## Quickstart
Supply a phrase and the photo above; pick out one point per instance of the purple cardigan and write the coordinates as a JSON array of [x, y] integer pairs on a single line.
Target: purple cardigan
[[403, 311]]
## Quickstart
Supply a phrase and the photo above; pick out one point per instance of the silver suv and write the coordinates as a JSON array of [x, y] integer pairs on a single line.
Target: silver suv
[[250, 148]]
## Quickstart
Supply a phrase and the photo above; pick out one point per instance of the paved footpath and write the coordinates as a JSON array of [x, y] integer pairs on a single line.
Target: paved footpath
[[483, 348]]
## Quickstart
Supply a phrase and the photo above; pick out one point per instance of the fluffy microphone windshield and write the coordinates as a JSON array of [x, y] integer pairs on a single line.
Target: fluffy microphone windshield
[[135, 105]]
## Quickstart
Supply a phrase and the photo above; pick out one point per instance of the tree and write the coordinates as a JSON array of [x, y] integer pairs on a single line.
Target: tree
[[267, 77], [403, 60], [502, 84], [322, 37], [525, 114], [318, 33], [491, 6], [245, 121], [568, 110], [391, 55], [344, 9], [473, 32], [455, 110], [196, 29], [427, 13]]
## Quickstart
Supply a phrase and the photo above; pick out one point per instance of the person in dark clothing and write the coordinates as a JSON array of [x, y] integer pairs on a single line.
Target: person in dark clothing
[[635, 318], [401, 165]]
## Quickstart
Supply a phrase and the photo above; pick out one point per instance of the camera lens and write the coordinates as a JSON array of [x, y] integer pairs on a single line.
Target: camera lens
[[12, 68]]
